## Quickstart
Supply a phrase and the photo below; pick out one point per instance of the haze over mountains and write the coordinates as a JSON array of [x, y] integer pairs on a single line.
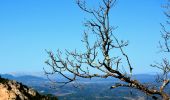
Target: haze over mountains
[[87, 89]]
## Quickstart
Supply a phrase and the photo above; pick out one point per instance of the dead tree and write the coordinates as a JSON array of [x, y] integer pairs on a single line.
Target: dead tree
[[165, 34], [164, 44], [105, 54]]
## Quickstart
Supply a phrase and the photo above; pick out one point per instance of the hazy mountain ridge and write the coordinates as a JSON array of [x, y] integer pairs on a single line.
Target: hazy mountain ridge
[[93, 89]]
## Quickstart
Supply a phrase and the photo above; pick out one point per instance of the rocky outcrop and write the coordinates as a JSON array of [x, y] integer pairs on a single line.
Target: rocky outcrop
[[12, 90]]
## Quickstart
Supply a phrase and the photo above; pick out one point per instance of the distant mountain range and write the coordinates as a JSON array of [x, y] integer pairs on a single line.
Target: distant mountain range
[[96, 88], [38, 74], [34, 77], [23, 77]]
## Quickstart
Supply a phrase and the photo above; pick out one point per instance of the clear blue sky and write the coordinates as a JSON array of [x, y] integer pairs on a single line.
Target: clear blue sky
[[28, 27]]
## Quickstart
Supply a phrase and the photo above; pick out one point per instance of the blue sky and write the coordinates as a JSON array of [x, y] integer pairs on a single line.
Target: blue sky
[[28, 27]]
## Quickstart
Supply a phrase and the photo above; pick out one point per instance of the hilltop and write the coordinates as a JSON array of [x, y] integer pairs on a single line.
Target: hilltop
[[13, 90]]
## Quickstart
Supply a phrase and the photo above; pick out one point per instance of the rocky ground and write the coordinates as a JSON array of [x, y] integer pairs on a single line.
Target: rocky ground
[[12, 90]]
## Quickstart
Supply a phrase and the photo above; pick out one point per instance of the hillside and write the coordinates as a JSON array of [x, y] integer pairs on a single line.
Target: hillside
[[12, 90]]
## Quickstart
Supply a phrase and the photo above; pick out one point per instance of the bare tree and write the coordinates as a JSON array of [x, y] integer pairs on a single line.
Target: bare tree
[[105, 54], [164, 44]]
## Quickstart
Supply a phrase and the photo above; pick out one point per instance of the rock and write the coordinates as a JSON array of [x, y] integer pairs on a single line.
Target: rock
[[12, 90]]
